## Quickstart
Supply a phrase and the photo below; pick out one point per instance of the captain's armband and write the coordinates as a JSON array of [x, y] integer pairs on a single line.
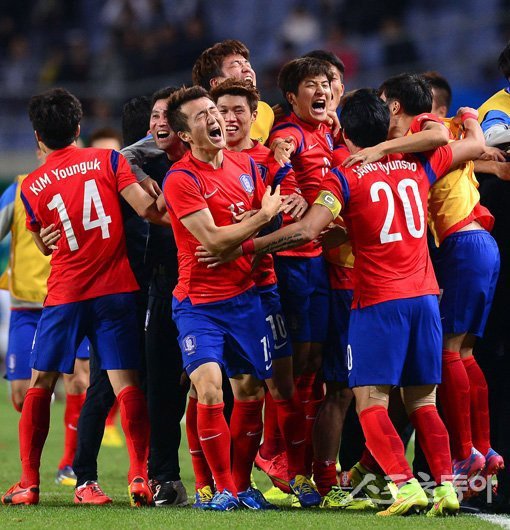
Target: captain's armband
[[327, 199]]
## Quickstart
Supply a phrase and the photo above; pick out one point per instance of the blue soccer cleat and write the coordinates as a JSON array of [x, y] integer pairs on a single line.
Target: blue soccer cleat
[[203, 497], [254, 500], [306, 491], [223, 501]]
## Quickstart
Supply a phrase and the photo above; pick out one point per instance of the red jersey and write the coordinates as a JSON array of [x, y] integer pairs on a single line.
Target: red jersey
[[311, 160], [384, 206], [77, 190], [192, 185], [273, 175]]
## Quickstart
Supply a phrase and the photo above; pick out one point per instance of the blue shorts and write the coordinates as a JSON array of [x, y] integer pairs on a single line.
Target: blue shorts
[[304, 294], [232, 333], [397, 342], [334, 363], [467, 268], [22, 326], [109, 322], [280, 345]]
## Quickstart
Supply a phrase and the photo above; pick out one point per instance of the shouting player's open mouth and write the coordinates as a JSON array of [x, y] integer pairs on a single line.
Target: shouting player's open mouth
[[319, 107], [216, 135]]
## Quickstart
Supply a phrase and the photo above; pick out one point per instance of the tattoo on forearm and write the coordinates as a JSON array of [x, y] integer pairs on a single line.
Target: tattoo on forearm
[[283, 243]]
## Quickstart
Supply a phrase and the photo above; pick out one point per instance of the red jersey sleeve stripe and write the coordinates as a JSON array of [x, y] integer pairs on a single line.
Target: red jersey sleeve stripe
[[33, 221], [424, 161], [346, 192], [301, 145], [114, 161]]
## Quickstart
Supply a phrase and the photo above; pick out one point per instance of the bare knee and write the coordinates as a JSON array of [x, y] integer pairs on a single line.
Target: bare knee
[[415, 397]]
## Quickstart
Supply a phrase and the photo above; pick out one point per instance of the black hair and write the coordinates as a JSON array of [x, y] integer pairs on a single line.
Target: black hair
[[136, 114], [504, 62], [55, 115], [177, 120], [443, 88], [329, 57], [365, 118], [162, 93], [412, 91], [234, 87]]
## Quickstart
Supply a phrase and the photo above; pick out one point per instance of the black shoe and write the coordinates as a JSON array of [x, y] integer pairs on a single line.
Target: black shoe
[[171, 493]]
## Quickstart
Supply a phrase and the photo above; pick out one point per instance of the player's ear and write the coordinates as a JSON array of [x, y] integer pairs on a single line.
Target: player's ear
[[78, 131], [184, 136], [395, 107], [291, 98], [254, 115]]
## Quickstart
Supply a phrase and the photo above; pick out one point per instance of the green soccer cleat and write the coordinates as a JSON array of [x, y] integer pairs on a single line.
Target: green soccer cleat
[[274, 494], [336, 499], [445, 501], [373, 485], [410, 499]]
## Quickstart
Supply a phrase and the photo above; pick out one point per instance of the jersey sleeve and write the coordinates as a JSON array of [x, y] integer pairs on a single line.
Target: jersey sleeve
[[122, 171], [420, 120], [436, 163], [31, 222], [334, 193], [289, 130], [183, 193]]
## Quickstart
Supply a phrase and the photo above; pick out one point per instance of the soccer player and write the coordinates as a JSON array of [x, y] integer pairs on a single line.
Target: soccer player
[[231, 59], [237, 103], [467, 267], [25, 278], [395, 290], [90, 287], [218, 313], [301, 272]]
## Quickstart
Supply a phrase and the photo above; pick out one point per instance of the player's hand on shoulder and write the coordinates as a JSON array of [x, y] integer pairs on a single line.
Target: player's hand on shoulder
[[151, 187], [295, 205], [464, 110], [282, 150], [334, 123], [365, 156], [50, 235], [212, 261]]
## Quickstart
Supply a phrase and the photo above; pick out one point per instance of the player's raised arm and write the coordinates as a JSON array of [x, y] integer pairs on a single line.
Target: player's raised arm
[[471, 146]]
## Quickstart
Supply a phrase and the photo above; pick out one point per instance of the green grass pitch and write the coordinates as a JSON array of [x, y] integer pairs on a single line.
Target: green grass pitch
[[57, 511]]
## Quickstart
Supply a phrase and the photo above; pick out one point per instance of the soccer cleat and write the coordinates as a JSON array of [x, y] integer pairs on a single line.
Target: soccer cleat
[[445, 501], [66, 476], [336, 499], [306, 491], [18, 495], [139, 493], [276, 469], [465, 469], [493, 463], [410, 499], [275, 494], [203, 497], [374, 485], [170, 493], [254, 500], [112, 437], [91, 493], [223, 501]]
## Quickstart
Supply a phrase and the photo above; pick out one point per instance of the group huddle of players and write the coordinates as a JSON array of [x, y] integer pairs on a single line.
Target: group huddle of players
[[305, 280]]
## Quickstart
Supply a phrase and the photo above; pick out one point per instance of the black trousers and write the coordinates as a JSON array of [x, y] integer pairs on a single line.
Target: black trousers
[[161, 380]]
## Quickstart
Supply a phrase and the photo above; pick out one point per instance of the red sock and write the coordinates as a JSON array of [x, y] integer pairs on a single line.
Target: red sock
[[74, 402], [291, 419], [479, 393], [203, 475], [246, 431], [112, 415], [273, 441], [385, 444], [304, 385], [368, 461], [33, 430], [455, 403], [214, 436], [311, 410], [135, 424], [433, 438], [324, 475]]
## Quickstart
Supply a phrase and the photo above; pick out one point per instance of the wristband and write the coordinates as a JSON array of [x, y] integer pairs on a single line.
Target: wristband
[[467, 116], [248, 247]]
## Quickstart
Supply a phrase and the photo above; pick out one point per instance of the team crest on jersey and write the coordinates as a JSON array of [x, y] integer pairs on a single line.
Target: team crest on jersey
[[329, 139], [263, 171], [189, 344], [247, 183]]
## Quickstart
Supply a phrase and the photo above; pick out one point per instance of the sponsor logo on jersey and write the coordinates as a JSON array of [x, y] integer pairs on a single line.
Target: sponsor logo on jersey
[[247, 183], [189, 344]]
